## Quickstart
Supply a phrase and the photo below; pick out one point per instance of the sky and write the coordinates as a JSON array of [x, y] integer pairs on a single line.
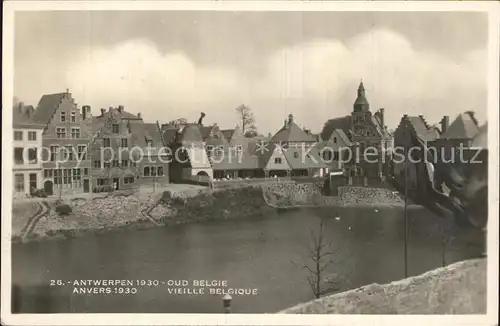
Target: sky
[[168, 65]]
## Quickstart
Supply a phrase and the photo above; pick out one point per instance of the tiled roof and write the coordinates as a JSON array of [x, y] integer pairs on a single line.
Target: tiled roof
[[292, 133], [343, 136], [144, 132], [190, 133], [47, 107], [299, 158], [342, 123], [115, 112], [169, 136], [419, 127], [22, 118], [481, 139], [380, 128], [464, 127], [228, 133]]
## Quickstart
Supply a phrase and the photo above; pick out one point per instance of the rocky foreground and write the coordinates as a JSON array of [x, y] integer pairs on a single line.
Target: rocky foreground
[[459, 288]]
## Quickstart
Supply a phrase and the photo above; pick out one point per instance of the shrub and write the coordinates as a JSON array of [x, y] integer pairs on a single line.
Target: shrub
[[39, 193], [64, 209]]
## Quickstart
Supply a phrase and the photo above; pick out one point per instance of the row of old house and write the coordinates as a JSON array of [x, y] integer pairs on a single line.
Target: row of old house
[[65, 149]]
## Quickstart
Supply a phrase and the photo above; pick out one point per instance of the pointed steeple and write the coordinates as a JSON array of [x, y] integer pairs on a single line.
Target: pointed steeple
[[361, 104]]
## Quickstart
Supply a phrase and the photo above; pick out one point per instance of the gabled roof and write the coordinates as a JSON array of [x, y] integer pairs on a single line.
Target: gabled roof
[[380, 128], [144, 132], [481, 139], [342, 123], [299, 158], [422, 130], [464, 127], [292, 133], [22, 118], [228, 133], [46, 108], [190, 133], [118, 114]]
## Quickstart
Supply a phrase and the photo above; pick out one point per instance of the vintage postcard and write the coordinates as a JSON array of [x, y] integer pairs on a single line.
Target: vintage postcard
[[250, 163]]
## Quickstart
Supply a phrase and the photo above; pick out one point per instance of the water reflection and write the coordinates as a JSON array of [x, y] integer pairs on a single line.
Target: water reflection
[[261, 253]]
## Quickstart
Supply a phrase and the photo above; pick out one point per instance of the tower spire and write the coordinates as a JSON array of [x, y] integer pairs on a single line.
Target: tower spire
[[361, 103]]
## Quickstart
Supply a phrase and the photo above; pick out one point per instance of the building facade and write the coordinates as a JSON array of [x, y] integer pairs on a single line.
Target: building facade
[[27, 147], [65, 139]]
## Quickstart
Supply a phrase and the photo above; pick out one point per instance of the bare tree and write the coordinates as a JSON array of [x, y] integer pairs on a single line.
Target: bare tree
[[247, 120], [323, 256]]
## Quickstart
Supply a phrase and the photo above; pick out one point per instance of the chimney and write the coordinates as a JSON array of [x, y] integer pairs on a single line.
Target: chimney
[[200, 120], [20, 107], [110, 109], [139, 115], [120, 108], [445, 123], [290, 118], [382, 121], [85, 112], [473, 117], [103, 112]]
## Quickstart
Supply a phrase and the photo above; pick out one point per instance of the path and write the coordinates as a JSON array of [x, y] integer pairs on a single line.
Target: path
[[42, 210]]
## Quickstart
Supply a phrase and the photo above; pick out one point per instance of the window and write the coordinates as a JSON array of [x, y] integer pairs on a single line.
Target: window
[[63, 116], [85, 171], [107, 165], [32, 155], [106, 142], [54, 150], [132, 163], [97, 164], [335, 140], [102, 182], [77, 174], [82, 152], [19, 155], [239, 150], [209, 150], [146, 171], [219, 151], [115, 164], [19, 182], [295, 154], [73, 116], [75, 133], [66, 176], [61, 132], [115, 128], [32, 135], [336, 156], [124, 142], [68, 153], [18, 135], [128, 180], [153, 171], [125, 163], [327, 155], [277, 160], [33, 182], [160, 171], [47, 173]]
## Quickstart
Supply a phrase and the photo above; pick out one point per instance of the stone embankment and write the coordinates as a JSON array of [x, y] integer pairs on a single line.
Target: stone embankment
[[459, 288], [102, 213], [290, 195], [136, 211]]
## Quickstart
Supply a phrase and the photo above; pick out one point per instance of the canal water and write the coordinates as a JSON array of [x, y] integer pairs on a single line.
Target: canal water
[[266, 254]]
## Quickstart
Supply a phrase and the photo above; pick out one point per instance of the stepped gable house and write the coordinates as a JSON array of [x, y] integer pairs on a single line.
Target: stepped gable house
[[413, 132], [125, 152], [364, 129], [27, 142], [65, 139]]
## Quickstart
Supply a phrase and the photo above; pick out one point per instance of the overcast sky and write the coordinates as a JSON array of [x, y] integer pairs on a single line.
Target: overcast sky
[[176, 64]]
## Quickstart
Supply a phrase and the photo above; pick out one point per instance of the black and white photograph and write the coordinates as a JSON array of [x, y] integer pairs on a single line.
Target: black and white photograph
[[229, 160]]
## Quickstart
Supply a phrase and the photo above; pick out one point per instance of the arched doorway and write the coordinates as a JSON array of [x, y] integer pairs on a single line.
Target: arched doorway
[[202, 174], [48, 186]]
